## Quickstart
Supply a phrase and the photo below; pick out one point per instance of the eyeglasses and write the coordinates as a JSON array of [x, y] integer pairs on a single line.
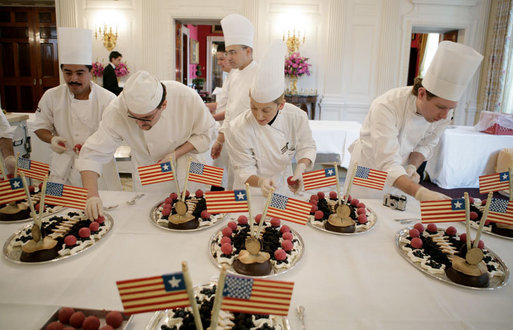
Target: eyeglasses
[[141, 119]]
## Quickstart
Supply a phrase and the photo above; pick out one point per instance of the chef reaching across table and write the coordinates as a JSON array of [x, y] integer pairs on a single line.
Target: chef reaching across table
[[405, 124], [263, 140], [160, 121]]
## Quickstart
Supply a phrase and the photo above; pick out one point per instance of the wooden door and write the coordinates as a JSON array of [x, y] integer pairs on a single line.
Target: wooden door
[[28, 56], [178, 51]]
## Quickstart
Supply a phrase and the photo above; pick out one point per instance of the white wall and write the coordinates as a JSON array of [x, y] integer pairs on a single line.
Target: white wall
[[358, 48]]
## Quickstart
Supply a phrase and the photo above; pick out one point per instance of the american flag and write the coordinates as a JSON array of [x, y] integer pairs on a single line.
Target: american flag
[[319, 178], [289, 209], [206, 174], [367, 177], [256, 296], [153, 293], [155, 173], [226, 201], [501, 210], [11, 190], [61, 194], [443, 211], [493, 182], [32, 168]]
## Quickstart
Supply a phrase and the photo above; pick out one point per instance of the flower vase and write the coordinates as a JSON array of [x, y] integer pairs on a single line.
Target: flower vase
[[293, 85]]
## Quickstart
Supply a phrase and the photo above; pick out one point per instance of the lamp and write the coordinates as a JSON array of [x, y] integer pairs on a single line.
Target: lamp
[[109, 38], [294, 41]]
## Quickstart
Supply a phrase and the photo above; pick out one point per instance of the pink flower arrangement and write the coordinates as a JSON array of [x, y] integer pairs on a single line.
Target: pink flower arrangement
[[97, 69], [296, 65], [121, 69]]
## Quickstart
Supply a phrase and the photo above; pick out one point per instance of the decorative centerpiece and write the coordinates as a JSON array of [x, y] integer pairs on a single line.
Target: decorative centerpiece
[[97, 70], [121, 70], [295, 64]]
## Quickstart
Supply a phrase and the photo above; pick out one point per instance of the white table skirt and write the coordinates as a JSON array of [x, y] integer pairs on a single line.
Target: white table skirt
[[357, 282], [464, 154]]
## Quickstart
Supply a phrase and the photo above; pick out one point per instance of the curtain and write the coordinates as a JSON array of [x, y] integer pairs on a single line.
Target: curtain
[[495, 88]]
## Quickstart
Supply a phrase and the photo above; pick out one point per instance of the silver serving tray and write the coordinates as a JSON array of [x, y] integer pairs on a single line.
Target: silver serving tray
[[495, 282], [311, 221], [488, 231], [45, 215], [161, 317], [211, 251], [14, 255], [154, 220], [100, 313]]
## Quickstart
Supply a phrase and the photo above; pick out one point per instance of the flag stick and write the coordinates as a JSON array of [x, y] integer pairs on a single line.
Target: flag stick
[[176, 177], [335, 165], [16, 164], [186, 179], [190, 294], [348, 191], [251, 220], [29, 199], [467, 220], [510, 185], [42, 200], [262, 220], [483, 219], [218, 299]]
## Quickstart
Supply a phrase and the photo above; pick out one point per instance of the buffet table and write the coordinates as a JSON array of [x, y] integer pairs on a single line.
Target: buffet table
[[350, 282]]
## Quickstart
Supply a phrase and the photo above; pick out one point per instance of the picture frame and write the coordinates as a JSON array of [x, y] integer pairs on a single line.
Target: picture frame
[[217, 29], [194, 52]]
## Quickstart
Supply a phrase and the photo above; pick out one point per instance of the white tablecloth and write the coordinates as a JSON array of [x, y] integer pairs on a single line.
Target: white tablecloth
[[334, 137], [345, 282], [464, 154]]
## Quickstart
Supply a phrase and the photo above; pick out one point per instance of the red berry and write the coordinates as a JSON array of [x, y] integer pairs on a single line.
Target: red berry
[[242, 220], [480, 244], [487, 222], [280, 254], [432, 228], [355, 202], [463, 237], [77, 319], [174, 196], [61, 144], [275, 222], [451, 231], [227, 231], [232, 225], [291, 182], [319, 215], [55, 325], [32, 189], [314, 198], [288, 235], [360, 205], [471, 200], [226, 239], [361, 210], [414, 233], [84, 232], [362, 218], [187, 193], [314, 209], [333, 195], [40, 186], [419, 227], [473, 215], [199, 193], [284, 229], [227, 248], [287, 245], [205, 215], [483, 202], [349, 198], [166, 212], [416, 243], [320, 194], [100, 219], [114, 319], [94, 226], [167, 206], [91, 323], [168, 200], [257, 218], [77, 147], [65, 312]]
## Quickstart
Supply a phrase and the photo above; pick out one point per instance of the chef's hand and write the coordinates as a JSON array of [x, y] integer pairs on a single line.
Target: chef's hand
[[58, 144], [10, 164], [171, 157], [94, 208], [267, 185], [216, 150], [424, 194], [298, 176], [411, 170]]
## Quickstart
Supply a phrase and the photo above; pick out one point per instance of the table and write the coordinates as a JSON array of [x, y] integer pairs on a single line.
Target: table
[[303, 101], [357, 282], [464, 154]]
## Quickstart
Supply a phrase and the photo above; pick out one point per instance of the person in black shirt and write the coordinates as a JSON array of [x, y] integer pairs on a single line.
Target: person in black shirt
[[110, 81]]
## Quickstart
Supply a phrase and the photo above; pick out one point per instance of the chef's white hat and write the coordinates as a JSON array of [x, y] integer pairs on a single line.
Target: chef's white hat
[[142, 93], [237, 30], [451, 70], [269, 82], [75, 46]]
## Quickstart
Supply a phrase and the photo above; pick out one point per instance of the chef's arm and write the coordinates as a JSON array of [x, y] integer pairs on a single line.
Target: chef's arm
[[406, 185], [44, 135], [219, 116], [90, 182], [416, 159], [253, 181], [183, 149], [6, 147]]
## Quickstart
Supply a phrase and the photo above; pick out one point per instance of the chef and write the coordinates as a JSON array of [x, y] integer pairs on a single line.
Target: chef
[[68, 114], [6, 149], [404, 124], [264, 139], [160, 121], [238, 35], [218, 108]]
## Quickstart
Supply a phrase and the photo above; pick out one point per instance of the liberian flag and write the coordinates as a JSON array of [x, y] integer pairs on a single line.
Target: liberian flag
[[206, 174], [153, 293], [320, 178], [501, 210], [155, 173], [367, 177], [226, 201], [256, 296], [32, 168], [11, 190], [289, 209], [443, 211], [61, 194], [493, 182]]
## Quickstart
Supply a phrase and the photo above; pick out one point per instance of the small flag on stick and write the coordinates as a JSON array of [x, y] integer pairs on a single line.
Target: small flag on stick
[[64, 195], [367, 177], [33, 169], [443, 211], [226, 201], [493, 182], [206, 174], [155, 173], [11, 190], [501, 210], [320, 178], [289, 209]]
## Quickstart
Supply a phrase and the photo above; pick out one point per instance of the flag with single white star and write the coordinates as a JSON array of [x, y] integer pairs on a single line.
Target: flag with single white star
[[493, 182], [11, 190], [450, 210], [32, 168], [501, 210], [256, 296], [65, 195], [206, 174], [370, 178], [289, 209], [155, 173], [153, 293], [320, 178], [228, 201]]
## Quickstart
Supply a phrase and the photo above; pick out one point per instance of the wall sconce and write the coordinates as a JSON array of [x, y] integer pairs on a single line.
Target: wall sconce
[[293, 41], [109, 38]]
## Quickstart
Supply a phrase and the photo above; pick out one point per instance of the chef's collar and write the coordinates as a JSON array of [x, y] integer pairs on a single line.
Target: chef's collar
[[72, 96], [272, 120]]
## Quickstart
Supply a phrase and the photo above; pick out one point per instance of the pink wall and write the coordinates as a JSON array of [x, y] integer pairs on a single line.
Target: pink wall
[[193, 35]]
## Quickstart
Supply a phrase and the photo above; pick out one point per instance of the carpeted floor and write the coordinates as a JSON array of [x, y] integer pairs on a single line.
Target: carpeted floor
[[458, 193]]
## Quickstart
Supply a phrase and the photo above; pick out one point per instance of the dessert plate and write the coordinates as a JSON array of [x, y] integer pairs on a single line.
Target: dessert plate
[[49, 211], [498, 280], [12, 248], [164, 318], [360, 228], [100, 313], [488, 230], [156, 214]]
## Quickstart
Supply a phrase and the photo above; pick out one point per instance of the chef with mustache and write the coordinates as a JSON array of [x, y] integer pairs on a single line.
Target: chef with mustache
[[69, 113]]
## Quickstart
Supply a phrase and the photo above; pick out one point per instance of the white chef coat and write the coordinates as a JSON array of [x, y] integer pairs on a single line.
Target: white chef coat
[[6, 130], [185, 119], [75, 120], [222, 96], [267, 151], [391, 131]]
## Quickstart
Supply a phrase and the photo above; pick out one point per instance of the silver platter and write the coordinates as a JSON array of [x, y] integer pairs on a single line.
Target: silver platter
[[154, 217], [212, 245], [46, 214], [15, 253], [161, 318], [488, 231], [319, 225], [99, 313], [495, 282]]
